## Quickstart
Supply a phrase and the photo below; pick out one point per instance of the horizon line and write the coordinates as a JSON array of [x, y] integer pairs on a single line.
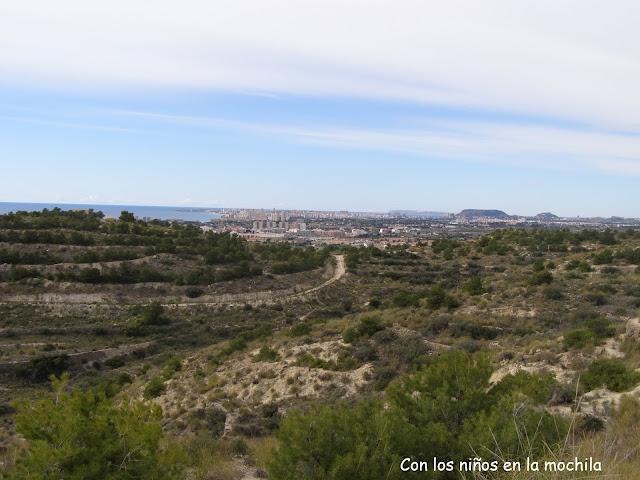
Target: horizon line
[[304, 209]]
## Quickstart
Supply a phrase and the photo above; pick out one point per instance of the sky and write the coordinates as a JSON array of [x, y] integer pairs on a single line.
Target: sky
[[367, 105]]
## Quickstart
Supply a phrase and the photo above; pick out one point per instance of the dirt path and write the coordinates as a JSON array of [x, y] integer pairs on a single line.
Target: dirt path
[[80, 358], [252, 298], [339, 271]]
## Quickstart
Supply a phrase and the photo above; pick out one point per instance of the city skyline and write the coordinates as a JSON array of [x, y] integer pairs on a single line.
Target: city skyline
[[522, 107], [6, 207]]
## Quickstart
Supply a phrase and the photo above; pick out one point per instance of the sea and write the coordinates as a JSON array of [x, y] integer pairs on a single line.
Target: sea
[[190, 214]]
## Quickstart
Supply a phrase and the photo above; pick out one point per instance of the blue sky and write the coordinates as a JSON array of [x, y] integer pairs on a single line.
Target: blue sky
[[337, 105]]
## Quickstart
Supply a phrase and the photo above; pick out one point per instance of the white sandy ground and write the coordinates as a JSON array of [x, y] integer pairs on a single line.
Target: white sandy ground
[[599, 402]]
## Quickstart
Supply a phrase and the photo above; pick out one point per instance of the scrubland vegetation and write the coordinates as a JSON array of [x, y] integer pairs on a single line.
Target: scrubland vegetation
[[176, 353]]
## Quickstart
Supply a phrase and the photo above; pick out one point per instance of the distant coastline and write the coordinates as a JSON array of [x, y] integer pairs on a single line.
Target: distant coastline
[[191, 214]]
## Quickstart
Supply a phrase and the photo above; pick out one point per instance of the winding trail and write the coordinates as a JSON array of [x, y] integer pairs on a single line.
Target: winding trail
[[339, 271], [253, 298]]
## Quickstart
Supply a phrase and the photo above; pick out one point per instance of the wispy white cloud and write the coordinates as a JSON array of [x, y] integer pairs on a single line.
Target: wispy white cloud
[[526, 145], [66, 124], [577, 59]]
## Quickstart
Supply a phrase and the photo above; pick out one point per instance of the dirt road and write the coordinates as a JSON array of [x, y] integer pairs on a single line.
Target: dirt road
[[252, 298], [273, 297], [338, 273]]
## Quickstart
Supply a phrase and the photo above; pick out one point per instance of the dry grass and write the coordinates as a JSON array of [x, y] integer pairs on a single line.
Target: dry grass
[[261, 450], [210, 459], [617, 447]]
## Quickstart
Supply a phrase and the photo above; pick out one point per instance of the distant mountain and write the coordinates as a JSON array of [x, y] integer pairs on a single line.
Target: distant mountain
[[417, 214], [475, 213], [546, 216]]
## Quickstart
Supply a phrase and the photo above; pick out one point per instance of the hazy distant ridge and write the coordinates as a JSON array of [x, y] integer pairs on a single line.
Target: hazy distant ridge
[[475, 213], [418, 214], [547, 216]]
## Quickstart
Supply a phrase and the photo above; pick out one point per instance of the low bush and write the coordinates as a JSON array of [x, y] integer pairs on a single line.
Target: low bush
[[447, 409], [406, 299], [541, 278], [267, 354], [609, 372], [366, 327], [114, 362], [299, 329], [41, 368], [552, 293], [82, 434], [593, 332], [154, 388], [193, 292], [438, 297], [474, 286]]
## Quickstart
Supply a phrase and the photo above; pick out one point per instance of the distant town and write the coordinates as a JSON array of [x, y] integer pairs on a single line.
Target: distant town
[[396, 226], [343, 227]]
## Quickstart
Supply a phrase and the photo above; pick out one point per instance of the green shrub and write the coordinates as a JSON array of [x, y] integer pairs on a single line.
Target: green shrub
[[474, 286], [366, 327], [438, 298], [539, 387], [309, 361], [41, 368], [438, 324], [601, 327], [216, 420], [593, 332], [578, 265], [124, 378], [349, 335], [538, 266], [444, 410], [114, 362], [154, 388], [267, 354], [603, 257], [578, 338], [241, 341], [369, 325], [596, 298], [589, 424], [82, 434], [477, 332], [375, 302], [239, 447], [193, 292], [153, 315], [406, 299], [553, 293], [90, 275], [299, 329], [235, 345], [541, 278], [347, 305], [290, 259], [171, 366], [609, 372]]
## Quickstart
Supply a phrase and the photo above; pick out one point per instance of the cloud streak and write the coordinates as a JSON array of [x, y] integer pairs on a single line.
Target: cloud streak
[[523, 145], [572, 59]]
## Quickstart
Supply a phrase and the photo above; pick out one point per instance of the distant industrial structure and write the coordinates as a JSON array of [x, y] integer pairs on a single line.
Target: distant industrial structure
[[284, 225]]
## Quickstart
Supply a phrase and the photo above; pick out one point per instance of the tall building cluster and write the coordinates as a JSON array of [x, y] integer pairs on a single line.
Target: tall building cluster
[[284, 225]]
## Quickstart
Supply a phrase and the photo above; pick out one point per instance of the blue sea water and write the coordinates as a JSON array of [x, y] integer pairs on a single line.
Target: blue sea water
[[160, 213]]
